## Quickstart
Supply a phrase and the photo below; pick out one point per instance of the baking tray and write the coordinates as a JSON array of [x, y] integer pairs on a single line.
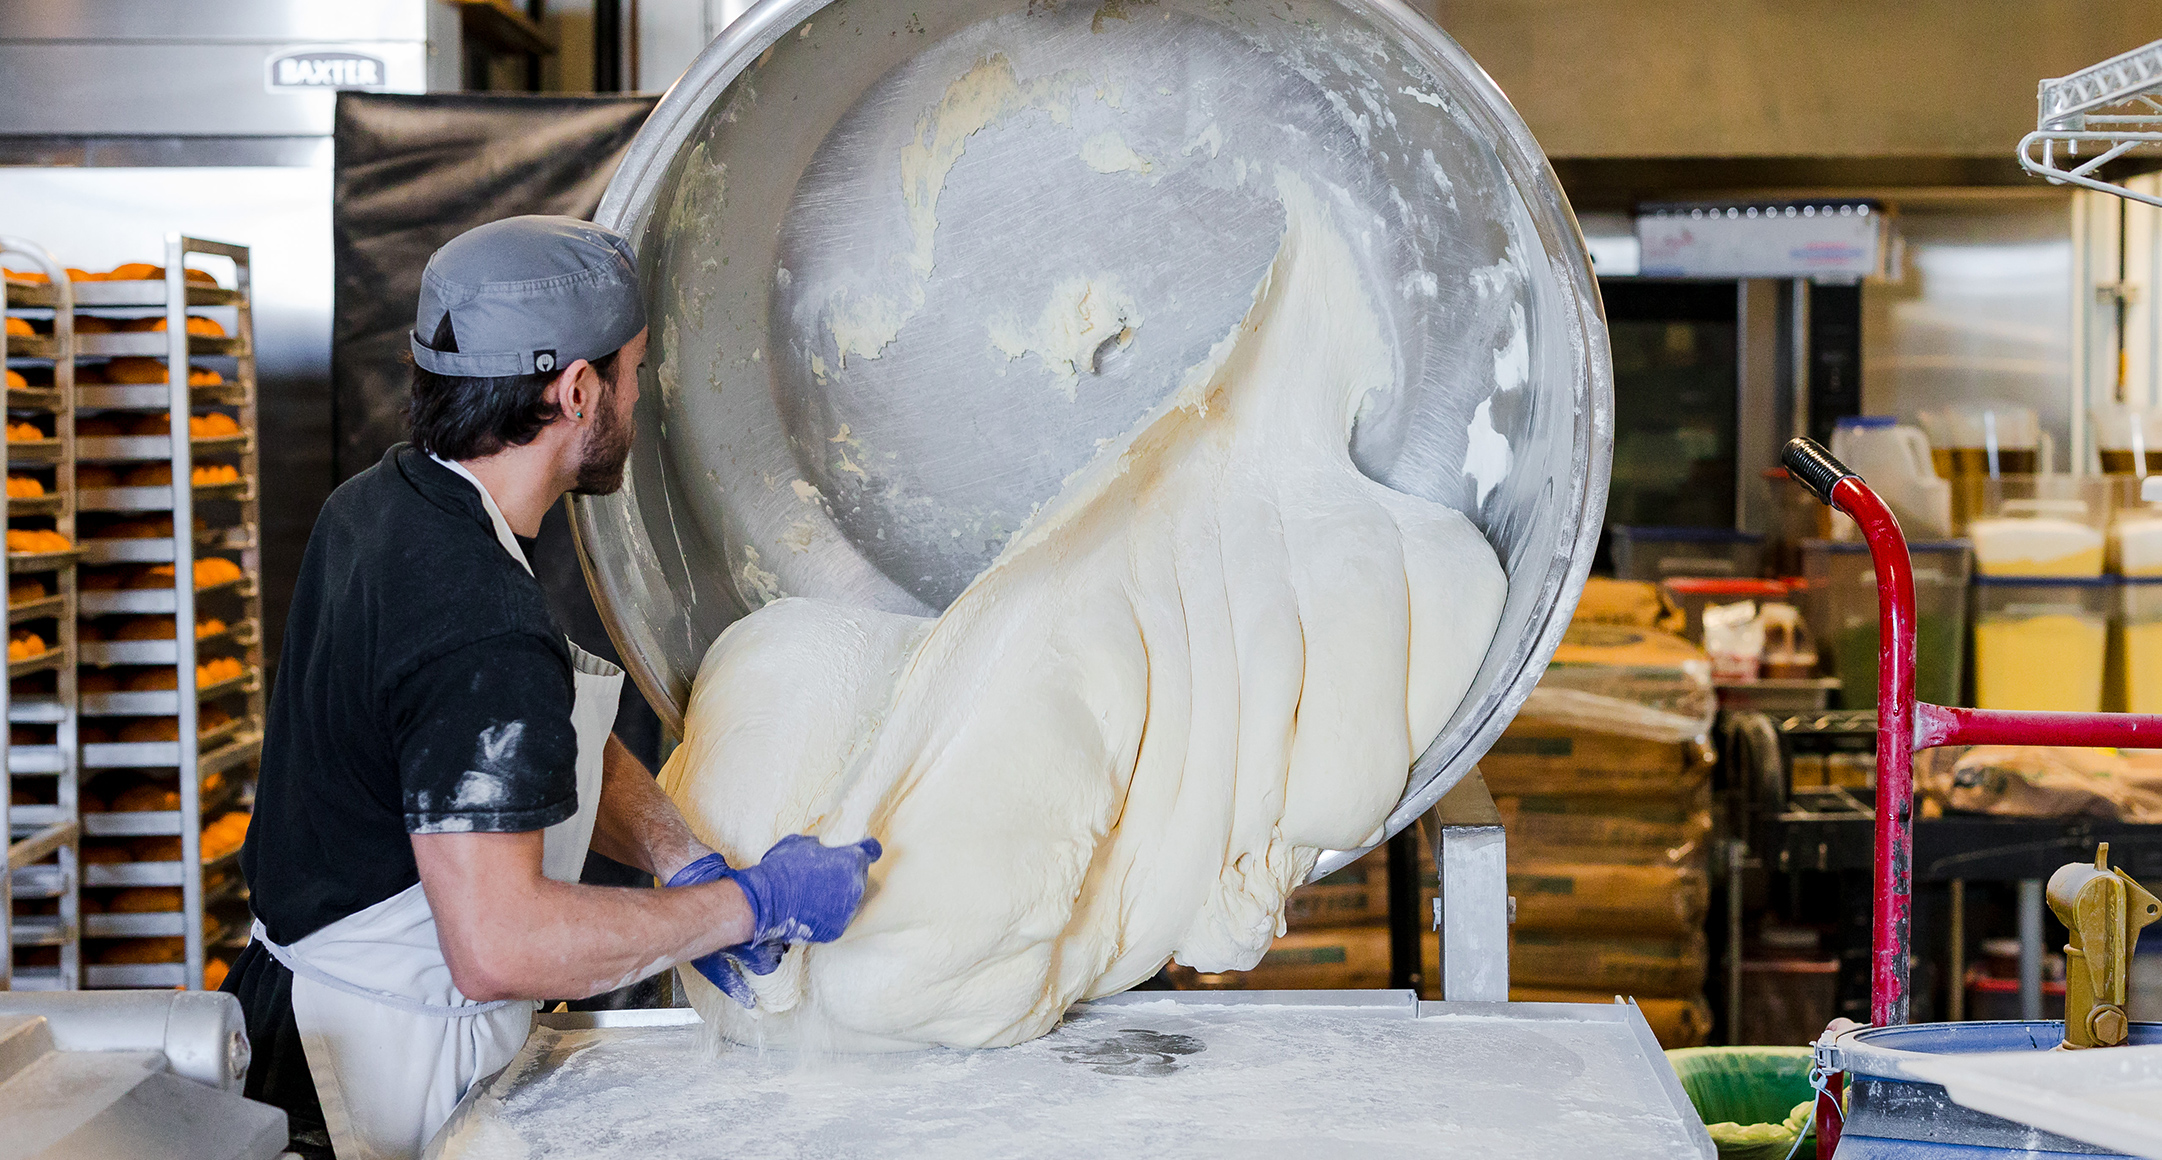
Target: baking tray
[[148, 294], [160, 924], [152, 344], [136, 976], [36, 711], [98, 602], [152, 652], [152, 448], [38, 881], [33, 817], [19, 562], [43, 608], [34, 451], [33, 398], [238, 751], [43, 505], [163, 702], [40, 930], [132, 874], [38, 979], [214, 752], [49, 659], [152, 396], [155, 823], [35, 759], [151, 499]]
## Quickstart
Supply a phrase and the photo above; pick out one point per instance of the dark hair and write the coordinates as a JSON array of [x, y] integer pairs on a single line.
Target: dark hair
[[463, 417]]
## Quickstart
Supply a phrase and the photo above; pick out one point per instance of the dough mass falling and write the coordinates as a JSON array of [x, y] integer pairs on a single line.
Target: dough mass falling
[[1213, 655]]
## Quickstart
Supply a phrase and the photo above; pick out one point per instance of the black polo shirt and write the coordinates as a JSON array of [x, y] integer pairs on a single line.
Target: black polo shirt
[[423, 688]]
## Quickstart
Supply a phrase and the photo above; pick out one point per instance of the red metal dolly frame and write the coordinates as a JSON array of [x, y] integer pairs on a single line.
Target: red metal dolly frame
[[1905, 725]]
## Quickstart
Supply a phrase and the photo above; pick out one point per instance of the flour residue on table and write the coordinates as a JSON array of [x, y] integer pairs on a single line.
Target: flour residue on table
[[1227, 1080]]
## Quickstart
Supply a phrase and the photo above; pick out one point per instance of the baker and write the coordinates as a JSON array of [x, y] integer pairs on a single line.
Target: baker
[[438, 756]]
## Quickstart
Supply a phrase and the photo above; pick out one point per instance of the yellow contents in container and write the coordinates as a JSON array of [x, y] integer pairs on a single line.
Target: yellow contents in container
[[2143, 667], [2050, 661], [2135, 546], [2042, 546]]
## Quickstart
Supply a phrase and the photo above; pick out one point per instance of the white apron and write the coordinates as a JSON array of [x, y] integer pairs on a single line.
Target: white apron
[[391, 1043]]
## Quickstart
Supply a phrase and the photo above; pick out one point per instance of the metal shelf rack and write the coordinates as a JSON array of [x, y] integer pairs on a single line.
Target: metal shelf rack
[[149, 529], [41, 925], [2095, 116]]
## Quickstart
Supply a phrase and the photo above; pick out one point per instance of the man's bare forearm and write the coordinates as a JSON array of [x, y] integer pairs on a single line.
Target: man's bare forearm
[[636, 824], [508, 932]]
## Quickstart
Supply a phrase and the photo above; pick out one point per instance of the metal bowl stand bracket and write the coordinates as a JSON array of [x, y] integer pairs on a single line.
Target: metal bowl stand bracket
[[1472, 910]]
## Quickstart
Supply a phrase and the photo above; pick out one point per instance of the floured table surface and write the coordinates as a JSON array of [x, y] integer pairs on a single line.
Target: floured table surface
[[1174, 1074]]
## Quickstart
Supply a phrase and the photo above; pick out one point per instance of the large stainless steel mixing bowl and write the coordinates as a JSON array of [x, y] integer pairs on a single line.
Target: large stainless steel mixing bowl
[[846, 211]]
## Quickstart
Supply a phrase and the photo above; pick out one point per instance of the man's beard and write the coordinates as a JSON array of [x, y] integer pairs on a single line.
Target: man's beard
[[607, 449]]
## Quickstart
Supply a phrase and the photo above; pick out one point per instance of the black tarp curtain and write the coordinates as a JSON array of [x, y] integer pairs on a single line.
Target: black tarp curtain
[[411, 172]]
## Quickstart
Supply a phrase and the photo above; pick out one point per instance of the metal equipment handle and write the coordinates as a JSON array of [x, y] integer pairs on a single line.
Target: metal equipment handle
[[1811, 464]]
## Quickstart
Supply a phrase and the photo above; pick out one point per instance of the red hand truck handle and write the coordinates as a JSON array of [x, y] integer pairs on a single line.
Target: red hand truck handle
[[1814, 468], [1903, 726], [1891, 916]]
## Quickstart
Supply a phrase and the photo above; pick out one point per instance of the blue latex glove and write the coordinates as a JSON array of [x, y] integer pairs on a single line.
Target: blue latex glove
[[724, 968], [804, 891]]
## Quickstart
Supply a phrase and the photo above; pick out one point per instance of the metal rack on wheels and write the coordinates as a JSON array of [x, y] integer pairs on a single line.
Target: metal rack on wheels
[[171, 475], [40, 927]]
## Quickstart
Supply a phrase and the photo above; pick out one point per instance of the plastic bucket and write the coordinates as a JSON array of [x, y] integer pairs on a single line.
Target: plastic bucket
[[1753, 1099], [1894, 1113]]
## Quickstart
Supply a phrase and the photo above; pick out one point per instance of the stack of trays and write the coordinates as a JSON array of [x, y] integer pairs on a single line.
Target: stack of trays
[[172, 723], [42, 927]]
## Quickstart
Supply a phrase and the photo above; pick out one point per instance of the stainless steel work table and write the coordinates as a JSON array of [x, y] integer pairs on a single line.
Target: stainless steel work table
[[1155, 1074]]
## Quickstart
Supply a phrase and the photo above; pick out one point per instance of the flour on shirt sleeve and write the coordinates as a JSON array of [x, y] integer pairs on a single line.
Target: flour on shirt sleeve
[[483, 795], [495, 757]]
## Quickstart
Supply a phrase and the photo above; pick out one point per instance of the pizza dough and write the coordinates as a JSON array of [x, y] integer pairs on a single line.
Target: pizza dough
[[1216, 653]]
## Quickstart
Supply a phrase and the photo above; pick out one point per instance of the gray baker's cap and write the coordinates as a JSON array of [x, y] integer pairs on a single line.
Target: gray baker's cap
[[527, 295]]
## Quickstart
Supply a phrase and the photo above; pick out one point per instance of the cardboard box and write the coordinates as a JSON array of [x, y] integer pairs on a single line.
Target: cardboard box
[[1324, 905], [1628, 604], [1622, 647], [1670, 829], [1342, 958], [1851, 770], [1664, 967], [1356, 895], [1603, 899], [1677, 1022], [1538, 758]]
